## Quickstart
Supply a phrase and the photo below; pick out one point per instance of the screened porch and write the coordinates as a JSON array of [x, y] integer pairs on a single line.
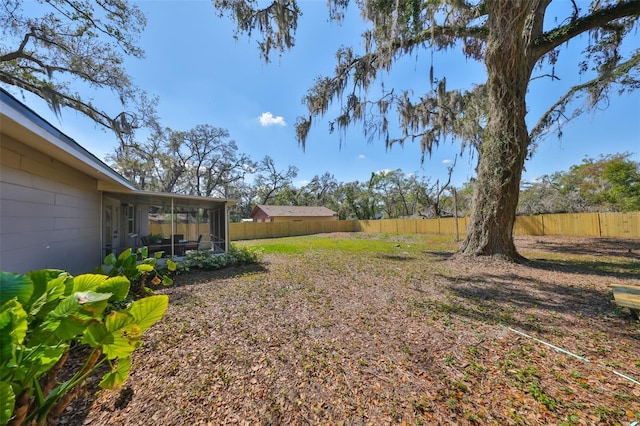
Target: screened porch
[[169, 223]]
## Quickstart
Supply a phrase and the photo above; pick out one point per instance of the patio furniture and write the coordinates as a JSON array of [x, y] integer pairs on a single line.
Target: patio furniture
[[180, 245], [193, 245]]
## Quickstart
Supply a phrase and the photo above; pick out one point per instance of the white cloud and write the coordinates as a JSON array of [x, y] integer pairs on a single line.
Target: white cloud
[[446, 161], [302, 182], [267, 119], [383, 171], [361, 157]]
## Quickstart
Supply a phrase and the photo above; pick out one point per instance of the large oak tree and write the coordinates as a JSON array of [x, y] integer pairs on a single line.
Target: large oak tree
[[511, 38]]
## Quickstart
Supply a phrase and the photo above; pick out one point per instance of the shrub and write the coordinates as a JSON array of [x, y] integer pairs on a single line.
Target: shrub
[[45, 314], [206, 259]]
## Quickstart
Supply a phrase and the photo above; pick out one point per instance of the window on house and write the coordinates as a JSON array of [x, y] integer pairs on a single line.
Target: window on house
[[129, 212]]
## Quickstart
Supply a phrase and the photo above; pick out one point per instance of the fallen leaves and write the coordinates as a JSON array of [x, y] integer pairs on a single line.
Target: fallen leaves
[[321, 339]]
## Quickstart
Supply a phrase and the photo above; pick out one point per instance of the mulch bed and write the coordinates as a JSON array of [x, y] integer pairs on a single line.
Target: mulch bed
[[412, 337]]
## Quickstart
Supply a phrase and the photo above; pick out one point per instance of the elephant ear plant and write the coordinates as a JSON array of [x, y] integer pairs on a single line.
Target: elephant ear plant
[[46, 313], [139, 272]]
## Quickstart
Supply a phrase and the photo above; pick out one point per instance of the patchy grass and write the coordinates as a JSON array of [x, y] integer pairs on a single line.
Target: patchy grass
[[384, 329], [353, 243]]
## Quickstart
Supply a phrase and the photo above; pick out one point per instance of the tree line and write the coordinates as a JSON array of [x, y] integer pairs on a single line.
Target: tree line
[[205, 161]]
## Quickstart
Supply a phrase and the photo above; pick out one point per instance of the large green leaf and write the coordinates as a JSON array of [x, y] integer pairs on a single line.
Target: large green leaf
[[77, 301], [171, 265], [77, 311], [117, 377], [13, 328], [40, 279], [145, 267], [143, 252], [47, 301], [67, 306], [117, 286], [113, 344], [97, 335], [72, 326], [110, 259], [125, 335], [15, 285], [125, 254], [149, 310], [46, 356], [7, 402], [117, 321], [88, 282], [130, 262]]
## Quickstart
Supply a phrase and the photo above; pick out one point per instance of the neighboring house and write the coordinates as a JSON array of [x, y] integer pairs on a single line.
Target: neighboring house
[[262, 213], [62, 207]]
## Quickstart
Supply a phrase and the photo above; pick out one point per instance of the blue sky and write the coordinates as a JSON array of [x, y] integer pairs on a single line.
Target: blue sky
[[202, 75]]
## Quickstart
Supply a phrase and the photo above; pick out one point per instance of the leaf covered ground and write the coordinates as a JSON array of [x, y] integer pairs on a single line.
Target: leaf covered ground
[[359, 329]]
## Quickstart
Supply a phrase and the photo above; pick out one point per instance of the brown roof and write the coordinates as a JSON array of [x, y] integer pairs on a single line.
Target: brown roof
[[279, 211]]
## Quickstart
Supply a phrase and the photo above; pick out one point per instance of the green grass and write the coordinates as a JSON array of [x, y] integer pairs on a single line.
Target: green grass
[[359, 244], [407, 247]]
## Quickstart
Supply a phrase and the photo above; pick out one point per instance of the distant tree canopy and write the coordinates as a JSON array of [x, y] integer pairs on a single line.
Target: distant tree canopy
[[65, 50], [205, 161], [511, 38], [611, 183], [202, 161]]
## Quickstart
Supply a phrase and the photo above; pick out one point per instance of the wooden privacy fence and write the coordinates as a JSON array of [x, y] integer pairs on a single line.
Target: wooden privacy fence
[[621, 225], [258, 230]]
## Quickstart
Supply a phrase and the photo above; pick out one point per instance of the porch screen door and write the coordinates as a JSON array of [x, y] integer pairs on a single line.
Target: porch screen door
[[111, 226]]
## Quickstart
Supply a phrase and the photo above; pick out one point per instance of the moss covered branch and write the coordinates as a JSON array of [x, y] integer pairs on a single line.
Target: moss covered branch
[[554, 38]]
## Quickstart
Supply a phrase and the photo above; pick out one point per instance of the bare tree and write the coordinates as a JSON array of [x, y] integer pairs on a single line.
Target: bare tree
[[269, 180]]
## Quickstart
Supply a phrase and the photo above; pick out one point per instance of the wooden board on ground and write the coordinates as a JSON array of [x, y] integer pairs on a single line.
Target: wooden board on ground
[[627, 296]]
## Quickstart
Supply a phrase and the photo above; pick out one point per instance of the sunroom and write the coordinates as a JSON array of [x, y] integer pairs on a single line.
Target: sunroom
[[169, 223]]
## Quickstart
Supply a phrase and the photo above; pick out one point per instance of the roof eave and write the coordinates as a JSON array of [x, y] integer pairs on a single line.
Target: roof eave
[[23, 124]]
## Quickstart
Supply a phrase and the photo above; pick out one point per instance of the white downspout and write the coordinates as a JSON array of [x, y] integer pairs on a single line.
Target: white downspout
[[227, 240], [173, 230], [102, 240]]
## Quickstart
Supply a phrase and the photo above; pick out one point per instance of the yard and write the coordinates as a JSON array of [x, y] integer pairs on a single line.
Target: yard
[[376, 329]]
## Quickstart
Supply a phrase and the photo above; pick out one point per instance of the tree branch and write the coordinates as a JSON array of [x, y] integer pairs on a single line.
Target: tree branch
[[554, 38], [596, 86], [478, 32], [18, 53], [55, 99]]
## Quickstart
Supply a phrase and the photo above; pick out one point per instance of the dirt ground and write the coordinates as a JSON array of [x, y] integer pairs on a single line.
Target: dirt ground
[[413, 336]]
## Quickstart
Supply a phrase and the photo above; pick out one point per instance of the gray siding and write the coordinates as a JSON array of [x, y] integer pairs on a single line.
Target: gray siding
[[50, 213]]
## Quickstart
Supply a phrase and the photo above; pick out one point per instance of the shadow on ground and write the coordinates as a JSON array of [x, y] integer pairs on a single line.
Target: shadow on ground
[[505, 298], [592, 246], [199, 276], [627, 269]]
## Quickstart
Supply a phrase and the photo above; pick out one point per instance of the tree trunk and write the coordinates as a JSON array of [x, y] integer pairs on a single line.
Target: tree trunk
[[504, 148]]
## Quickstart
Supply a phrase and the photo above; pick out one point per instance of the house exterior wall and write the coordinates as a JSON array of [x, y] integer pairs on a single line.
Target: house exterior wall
[[261, 216], [51, 213], [302, 218]]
